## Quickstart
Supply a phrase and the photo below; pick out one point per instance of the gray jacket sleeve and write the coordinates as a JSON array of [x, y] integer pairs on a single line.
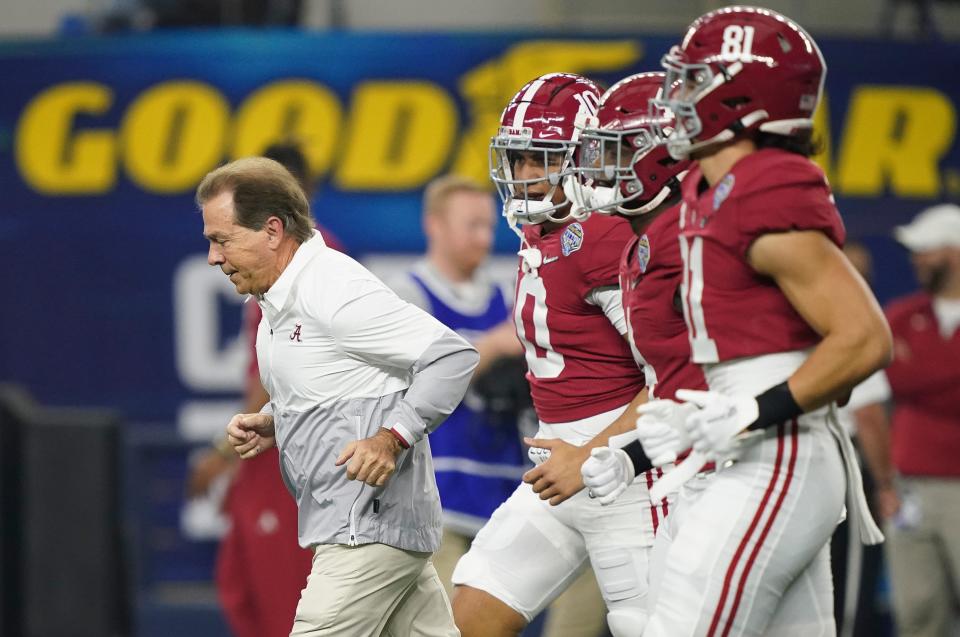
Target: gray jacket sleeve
[[374, 324], [440, 379]]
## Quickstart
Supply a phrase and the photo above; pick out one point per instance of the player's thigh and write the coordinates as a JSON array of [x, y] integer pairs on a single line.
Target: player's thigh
[[352, 590], [806, 608], [668, 529], [424, 611], [525, 555], [754, 529], [619, 538]]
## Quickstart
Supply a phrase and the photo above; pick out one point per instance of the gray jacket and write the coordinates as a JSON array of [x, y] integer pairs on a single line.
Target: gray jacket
[[342, 356]]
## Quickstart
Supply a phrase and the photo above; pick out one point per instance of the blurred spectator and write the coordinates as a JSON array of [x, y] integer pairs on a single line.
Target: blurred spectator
[[261, 568], [478, 458], [924, 531], [857, 568]]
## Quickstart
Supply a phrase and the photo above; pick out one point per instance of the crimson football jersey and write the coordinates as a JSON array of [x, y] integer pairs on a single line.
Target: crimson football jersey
[[650, 271], [731, 310], [578, 364]]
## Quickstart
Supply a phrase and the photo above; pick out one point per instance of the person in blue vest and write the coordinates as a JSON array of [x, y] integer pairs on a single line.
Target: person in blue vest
[[477, 454]]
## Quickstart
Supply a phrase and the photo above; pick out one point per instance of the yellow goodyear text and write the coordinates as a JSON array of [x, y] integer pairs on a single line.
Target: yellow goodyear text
[[55, 159], [400, 135], [395, 135], [895, 136], [172, 134]]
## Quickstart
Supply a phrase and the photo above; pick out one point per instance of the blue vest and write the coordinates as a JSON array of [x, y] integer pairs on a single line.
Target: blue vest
[[478, 464]]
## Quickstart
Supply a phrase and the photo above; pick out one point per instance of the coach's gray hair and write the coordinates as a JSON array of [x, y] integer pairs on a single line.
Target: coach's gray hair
[[262, 188]]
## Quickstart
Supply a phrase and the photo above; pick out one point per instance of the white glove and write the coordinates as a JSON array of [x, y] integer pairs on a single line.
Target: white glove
[[607, 473], [713, 429], [661, 428]]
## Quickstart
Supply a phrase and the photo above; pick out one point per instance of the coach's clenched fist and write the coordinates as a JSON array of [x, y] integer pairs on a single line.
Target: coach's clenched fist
[[372, 460], [251, 434]]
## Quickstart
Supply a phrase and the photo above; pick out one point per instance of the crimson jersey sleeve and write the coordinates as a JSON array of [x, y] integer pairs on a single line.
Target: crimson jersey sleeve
[[600, 265], [788, 192]]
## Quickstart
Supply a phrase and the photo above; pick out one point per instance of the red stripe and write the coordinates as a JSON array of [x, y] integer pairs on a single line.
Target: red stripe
[[653, 508], [746, 538], [663, 503], [766, 529]]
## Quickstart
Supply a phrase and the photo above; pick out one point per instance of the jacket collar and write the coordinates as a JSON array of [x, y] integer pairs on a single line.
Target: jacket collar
[[276, 297]]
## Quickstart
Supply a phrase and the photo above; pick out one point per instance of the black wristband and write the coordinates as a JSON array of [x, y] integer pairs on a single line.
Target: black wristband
[[641, 463], [775, 406]]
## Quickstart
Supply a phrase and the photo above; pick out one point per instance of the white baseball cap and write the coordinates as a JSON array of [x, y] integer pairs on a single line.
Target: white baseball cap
[[936, 227]]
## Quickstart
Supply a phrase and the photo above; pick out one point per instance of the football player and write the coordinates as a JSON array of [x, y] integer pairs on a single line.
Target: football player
[[569, 317], [781, 324], [624, 172]]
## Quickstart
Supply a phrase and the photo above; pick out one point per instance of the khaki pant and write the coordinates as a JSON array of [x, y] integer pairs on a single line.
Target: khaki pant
[[372, 590], [578, 612], [923, 548]]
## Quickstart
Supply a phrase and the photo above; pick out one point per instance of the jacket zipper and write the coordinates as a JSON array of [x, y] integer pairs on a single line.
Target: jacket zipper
[[358, 413]]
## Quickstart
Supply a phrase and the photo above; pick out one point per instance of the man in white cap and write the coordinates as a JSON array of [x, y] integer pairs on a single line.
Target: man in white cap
[[924, 542]]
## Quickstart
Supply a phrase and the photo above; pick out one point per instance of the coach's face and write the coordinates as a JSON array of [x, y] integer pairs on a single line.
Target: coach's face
[[243, 254]]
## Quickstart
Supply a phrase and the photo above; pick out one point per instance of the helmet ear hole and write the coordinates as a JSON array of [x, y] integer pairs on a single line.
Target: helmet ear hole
[[734, 103], [785, 45]]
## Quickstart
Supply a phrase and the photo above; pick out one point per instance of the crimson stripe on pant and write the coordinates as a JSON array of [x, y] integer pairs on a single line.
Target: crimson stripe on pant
[[728, 578], [653, 507], [791, 463]]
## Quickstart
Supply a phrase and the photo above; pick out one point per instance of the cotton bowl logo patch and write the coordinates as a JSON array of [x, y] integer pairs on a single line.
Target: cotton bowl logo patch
[[643, 252], [572, 239], [723, 191]]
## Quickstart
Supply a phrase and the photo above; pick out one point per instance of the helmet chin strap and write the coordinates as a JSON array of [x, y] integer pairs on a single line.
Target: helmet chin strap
[[532, 257], [650, 206]]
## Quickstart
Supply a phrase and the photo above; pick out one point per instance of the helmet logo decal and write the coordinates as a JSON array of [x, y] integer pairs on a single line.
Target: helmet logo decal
[[572, 239], [723, 190]]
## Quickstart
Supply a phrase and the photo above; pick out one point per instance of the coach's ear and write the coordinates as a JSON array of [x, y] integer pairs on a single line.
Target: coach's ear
[[275, 230]]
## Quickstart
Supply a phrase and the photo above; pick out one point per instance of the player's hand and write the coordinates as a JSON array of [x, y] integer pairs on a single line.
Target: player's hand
[[607, 473], [662, 430], [372, 460], [714, 427], [556, 478], [251, 434]]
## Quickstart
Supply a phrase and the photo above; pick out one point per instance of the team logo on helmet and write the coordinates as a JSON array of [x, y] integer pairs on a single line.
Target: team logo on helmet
[[572, 239], [643, 253]]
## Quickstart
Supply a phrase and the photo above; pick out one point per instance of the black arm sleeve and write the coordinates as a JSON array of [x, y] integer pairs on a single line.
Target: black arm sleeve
[[641, 463], [774, 407]]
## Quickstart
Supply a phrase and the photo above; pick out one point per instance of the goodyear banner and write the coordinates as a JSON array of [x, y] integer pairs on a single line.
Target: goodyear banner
[[102, 141]]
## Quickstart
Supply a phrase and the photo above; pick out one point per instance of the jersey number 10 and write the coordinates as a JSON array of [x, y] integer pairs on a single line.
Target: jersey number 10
[[530, 316]]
